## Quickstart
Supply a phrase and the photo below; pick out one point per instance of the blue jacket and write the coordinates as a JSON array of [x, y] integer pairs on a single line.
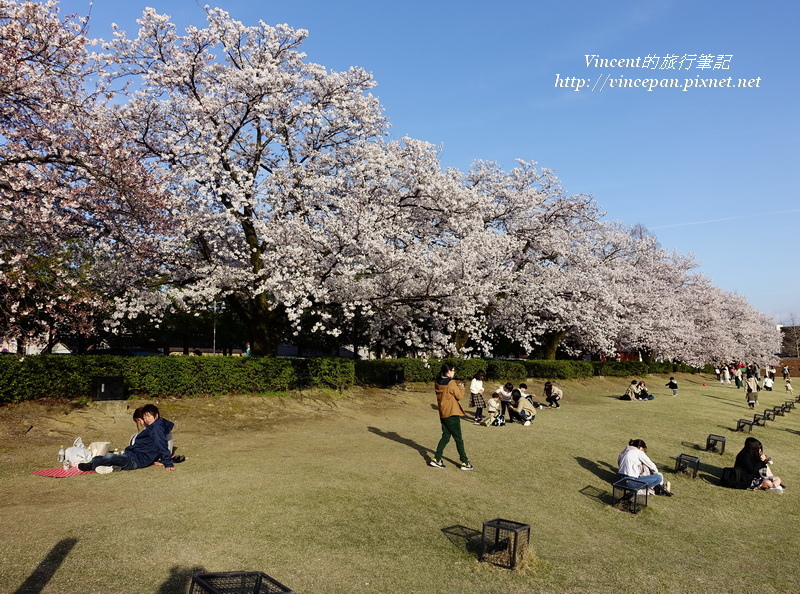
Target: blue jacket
[[151, 445]]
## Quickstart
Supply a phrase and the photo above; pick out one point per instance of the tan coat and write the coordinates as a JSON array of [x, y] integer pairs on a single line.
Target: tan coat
[[449, 396]]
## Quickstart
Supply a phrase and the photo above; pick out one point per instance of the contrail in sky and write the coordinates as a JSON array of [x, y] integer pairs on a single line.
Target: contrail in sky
[[749, 216]]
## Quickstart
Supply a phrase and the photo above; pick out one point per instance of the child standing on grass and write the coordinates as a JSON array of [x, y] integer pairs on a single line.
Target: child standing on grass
[[492, 408], [476, 396], [789, 386], [672, 385]]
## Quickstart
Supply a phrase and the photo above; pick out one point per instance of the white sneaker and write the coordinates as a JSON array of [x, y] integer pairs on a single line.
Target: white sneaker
[[104, 469], [526, 424], [775, 490]]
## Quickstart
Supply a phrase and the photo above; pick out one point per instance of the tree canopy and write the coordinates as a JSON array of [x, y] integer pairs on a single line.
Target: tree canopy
[[170, 170]]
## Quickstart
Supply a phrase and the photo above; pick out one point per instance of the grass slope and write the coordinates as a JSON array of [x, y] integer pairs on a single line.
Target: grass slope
[[334, 495]]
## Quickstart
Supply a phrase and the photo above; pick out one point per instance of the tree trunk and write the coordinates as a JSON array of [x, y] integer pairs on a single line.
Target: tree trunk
[[265, 326], [551, 342]]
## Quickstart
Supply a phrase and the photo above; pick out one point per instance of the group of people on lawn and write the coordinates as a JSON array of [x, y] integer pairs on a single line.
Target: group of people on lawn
[[633, 461], [519, 405], [508, 403], [749, 377]]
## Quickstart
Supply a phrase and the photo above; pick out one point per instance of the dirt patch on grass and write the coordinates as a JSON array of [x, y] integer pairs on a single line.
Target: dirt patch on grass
[[30, 428]]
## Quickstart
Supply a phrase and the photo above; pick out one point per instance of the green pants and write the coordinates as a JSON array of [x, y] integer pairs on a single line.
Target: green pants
[[451, 427]]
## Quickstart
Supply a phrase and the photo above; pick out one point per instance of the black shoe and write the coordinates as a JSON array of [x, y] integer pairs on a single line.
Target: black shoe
[[84, 466], [178, 459]]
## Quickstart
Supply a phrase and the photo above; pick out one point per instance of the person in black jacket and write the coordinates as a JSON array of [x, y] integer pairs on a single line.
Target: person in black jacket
[[754, 464]]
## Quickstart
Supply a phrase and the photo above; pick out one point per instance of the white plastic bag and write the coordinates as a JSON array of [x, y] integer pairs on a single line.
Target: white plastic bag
[[77, 453]]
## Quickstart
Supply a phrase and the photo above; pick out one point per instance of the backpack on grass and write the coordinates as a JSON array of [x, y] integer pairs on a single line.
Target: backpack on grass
[[734, 478]]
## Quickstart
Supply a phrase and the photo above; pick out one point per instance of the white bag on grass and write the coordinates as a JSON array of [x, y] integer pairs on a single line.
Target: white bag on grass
[[77, 453]]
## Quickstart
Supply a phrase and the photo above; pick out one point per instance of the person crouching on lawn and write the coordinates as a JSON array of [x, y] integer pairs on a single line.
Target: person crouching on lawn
[[150, 446], [521, 409], [552, 394]]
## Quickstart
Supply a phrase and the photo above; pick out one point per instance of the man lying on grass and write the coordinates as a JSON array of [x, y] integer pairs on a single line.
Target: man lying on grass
[[150, 446]]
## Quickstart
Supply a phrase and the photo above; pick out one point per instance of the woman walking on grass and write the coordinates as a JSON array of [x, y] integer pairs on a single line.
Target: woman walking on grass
[[448, 396]]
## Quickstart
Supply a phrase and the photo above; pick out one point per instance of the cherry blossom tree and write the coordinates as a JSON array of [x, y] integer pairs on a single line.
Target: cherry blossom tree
[[176, 170], [75, 212]]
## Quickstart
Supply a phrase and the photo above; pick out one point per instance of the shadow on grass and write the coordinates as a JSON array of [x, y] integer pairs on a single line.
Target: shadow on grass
[[599, 495], [708, 473], [602, 470], [693, 446], [793, 431], [47, 567], [711, 479], [426, 453], [464, 538], [179, 579]]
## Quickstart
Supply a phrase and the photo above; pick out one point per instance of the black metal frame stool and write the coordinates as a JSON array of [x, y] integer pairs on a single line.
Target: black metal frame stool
[[687, 462], [629, 495], [713, 440], [504, 542], [236, 582]]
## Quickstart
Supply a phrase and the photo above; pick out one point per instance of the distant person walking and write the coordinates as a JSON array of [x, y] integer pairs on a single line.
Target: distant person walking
[[752, 389], [672, 385], [448, 396]]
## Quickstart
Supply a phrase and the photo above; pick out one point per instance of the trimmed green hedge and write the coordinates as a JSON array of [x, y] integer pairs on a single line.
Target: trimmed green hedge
[[621, 368], [559, 369], [333, 373], [506, 371], [632, 368], [382, 372], [68, 376]]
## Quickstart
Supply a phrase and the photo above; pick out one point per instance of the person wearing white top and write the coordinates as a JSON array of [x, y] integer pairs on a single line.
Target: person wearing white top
[[631, 461]]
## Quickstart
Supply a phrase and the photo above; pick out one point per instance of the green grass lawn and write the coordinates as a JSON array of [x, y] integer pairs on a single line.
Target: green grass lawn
[[335, 495]]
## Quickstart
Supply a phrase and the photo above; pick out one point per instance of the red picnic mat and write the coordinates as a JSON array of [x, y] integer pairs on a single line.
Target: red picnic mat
[[61, 473]]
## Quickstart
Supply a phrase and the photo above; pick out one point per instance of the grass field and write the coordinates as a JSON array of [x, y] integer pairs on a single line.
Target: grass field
[[333, 494]]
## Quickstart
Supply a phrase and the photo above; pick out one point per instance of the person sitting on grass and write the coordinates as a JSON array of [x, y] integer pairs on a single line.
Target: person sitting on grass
[[632, 462], [754, 464], [520, 409], [552, 395], [642, 392], [631, 393], [140, 425], [523, 389], [149, 447]]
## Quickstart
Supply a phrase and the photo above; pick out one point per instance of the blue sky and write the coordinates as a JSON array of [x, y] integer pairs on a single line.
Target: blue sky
[[706, 169]]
